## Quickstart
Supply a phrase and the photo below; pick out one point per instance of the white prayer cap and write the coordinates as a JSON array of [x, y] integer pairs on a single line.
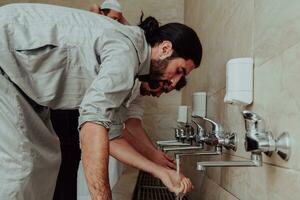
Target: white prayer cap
[[111, 4]]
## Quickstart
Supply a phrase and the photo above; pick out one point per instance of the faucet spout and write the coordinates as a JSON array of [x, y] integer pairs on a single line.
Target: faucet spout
[[256, 161], [159, 142], [202, 153], [182, 148], [174, 144]]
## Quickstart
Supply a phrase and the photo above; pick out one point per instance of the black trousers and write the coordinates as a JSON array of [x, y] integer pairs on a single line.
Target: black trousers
[[65, 124]]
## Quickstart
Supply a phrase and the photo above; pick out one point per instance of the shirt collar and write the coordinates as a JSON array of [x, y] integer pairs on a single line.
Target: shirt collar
[[137, 37], [145, 61]]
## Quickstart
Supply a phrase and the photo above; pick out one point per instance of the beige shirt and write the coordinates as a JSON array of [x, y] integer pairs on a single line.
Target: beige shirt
[[134, 108], [67, 58]]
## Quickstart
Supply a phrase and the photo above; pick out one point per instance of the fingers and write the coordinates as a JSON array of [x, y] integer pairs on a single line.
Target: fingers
[[187, 186], [171, 162], [179, 190], [169, 158], [177, 182], [171, 165]]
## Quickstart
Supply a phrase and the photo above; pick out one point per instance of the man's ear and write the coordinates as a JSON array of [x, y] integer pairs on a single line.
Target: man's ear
[[165, 49], [95, 8]]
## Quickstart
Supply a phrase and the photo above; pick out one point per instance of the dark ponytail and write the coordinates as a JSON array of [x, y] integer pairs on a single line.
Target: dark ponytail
[[150, 25]]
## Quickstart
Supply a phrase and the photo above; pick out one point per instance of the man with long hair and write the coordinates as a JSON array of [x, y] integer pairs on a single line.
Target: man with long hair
[[63, 58]]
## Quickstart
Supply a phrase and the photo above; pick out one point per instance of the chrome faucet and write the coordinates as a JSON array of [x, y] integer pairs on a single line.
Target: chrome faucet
[[257, 141], [218, 137], [172, 144], [195, 136], [218, 151], [180, 136], [256, 161], [199, 136], [187, 148]]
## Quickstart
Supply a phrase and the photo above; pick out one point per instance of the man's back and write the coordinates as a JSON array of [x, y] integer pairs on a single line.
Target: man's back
[[43, 47]]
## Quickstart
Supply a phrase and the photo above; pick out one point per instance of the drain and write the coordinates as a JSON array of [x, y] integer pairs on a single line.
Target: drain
[[150, 188]]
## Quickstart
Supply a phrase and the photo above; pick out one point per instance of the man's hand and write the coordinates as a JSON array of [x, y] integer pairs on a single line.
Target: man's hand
[[163, 159], [175, 182]]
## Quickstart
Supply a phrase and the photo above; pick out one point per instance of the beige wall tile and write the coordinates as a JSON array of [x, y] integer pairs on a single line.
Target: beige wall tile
[[212, 191], [271, 182], [224, 35], [210, 19], [276, 28], [164, 11], [233, 180], [161, 115], [238, 35]]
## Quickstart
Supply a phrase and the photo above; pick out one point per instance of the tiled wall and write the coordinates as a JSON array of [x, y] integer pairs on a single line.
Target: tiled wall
[[160, 114], [268, 31]]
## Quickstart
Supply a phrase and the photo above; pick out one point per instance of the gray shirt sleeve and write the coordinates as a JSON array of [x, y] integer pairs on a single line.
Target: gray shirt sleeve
[[135, 109], [119, 64]]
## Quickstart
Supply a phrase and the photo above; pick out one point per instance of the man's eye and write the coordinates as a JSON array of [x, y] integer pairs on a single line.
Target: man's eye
[[182, 71], [179, 71]]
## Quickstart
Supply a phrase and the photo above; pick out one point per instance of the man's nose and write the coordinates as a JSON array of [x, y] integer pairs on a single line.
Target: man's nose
[[175, 80], [158, 93]]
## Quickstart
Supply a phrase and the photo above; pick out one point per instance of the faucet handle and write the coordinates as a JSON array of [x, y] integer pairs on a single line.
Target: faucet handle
[[178, 133], [215, 126], [253, 122], [231, 141], [258, 140], [200, 134], [189, 132], [200, 130], [251, 115]]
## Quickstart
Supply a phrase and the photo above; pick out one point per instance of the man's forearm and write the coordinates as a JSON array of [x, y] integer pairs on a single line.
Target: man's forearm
[[138, 138], [95, 150], [124, 152], [135, 134]]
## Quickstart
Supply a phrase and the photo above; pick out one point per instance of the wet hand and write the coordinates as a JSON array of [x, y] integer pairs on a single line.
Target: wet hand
[[164, 160], [176, 183]]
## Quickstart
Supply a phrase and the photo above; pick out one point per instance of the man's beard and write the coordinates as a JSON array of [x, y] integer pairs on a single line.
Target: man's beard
[[158, 68]]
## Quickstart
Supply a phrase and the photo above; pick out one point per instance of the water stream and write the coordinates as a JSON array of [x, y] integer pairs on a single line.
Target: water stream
[[179, 196]]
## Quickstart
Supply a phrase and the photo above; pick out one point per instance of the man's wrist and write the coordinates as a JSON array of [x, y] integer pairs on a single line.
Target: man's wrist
[[158, 171], [103, 194]]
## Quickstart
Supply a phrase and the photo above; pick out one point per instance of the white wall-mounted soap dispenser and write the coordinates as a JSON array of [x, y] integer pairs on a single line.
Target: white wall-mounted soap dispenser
[[239, 81], [184, 114], [199, 104]]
